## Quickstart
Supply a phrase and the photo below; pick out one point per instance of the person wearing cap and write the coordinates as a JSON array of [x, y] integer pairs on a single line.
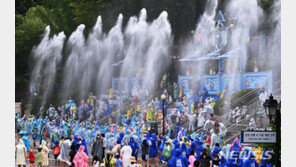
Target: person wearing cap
[[133, 162], [139, 161], [109, 161]]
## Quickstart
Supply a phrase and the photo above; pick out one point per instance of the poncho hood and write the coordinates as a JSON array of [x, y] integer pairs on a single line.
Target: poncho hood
[[193, 145], [235, 140], [178, 152], [197, 142], [43, 143], [56, 142], [216, 150], [235, 145], [20, 142], [81, 149]]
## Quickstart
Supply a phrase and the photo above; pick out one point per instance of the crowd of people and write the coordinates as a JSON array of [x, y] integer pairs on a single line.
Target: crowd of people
[[73, 135]]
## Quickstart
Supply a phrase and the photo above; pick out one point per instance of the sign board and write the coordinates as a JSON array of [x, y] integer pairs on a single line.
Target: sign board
[[258, 137]]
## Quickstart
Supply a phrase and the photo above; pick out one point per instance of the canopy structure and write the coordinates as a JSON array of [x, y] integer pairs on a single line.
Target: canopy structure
[[189, 58], [212, 55], [231, 53]]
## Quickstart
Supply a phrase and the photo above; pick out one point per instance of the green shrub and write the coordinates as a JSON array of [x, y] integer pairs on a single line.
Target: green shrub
[[235, 103]]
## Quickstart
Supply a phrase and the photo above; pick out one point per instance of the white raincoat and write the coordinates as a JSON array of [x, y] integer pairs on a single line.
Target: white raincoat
[[65, 149], [252, 124], [200, 121], [20, 152], [126, 153], [45, 152]]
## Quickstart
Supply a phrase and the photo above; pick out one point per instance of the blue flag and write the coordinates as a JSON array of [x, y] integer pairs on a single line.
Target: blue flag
[[169, 134], [95, 130], [201, 137], [85, 127], [115, 130], [76, 127], [220, 140], [99, 123]]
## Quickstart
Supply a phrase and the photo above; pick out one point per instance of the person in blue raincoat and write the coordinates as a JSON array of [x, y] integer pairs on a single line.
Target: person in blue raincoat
[[199, 148], [178, 160], [161, 147], [148, 140], [153, 149], [135, 147], [192, 147], [233, 158], [251, 162], [176, 146], [216, 150], [26, 140], [244, 157], [215, 155], [78, 141], [121, 135], [184, 150], [205, 94]]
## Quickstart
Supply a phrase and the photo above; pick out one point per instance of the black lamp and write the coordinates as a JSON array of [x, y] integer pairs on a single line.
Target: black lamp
[[270, 105]]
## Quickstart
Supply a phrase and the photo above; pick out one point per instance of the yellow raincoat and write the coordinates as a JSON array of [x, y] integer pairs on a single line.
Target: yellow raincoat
[[150, 114], [193, 110], [111, 93]]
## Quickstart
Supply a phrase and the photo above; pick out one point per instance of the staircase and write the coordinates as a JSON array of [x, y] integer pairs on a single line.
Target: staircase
[[235, 129], [253, 106]]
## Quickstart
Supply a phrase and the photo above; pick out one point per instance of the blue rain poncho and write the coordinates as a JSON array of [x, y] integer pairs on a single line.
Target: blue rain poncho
[[77, 142], [148, 140], [178, 160], [233, 155], [216, 150], [184, 150], [135, 147], [176, 146], [153, 149], [26, 141], [205, 94]]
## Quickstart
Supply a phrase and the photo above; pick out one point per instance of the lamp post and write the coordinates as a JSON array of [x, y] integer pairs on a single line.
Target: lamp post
[[273, 109], [163, 98]]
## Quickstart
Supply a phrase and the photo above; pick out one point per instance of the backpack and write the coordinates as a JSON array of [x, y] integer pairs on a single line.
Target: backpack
[[56, 150], [107, 163]]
